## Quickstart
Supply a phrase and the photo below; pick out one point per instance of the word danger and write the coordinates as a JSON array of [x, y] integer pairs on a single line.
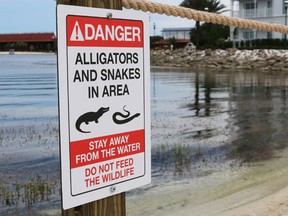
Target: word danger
[[112, 33], [109, 172]]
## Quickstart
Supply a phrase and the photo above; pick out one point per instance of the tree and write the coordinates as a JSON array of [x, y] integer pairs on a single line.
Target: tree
[[171, 41], [211, 35], [155, 38], [212, 6], [71, 2], [22, 46]]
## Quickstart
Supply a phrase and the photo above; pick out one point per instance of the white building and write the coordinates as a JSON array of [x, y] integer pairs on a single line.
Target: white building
[[177, 33], [271, 11]]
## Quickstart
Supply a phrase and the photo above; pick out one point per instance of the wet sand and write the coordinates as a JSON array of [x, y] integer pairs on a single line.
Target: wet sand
[[260, 190]]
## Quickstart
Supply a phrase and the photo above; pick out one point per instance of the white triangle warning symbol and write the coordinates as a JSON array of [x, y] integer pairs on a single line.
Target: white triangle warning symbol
[[76, 33]]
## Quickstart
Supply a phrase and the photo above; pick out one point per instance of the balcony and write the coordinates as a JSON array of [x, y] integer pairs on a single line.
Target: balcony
[[253, 13]]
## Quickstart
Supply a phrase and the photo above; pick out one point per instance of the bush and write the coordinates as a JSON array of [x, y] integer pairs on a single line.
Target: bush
[[263, 44]]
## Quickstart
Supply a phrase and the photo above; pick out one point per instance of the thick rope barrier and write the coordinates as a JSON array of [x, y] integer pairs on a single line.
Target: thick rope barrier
[[177, 11]]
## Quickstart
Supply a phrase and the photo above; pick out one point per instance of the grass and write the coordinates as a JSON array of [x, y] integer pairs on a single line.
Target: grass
[[177, 158], [182, 158], [19, 189], [27, 193]]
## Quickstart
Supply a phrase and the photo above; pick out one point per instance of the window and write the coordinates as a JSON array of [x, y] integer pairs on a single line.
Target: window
[[248, 35], [250, 10], [284, 7], [177, 34], [249, 6], [269, 35], [269, 10], [269, 4]]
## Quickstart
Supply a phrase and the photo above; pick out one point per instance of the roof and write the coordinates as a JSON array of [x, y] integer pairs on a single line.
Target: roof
[[27, 37], [183, 41], [161, 42], [166, 42]]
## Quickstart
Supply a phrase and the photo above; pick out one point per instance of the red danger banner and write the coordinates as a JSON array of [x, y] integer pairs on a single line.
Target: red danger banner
[[104, 32], [90, 151]]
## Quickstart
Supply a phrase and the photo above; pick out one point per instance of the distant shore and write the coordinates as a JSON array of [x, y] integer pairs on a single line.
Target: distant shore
[[26, 53], [266, 60]]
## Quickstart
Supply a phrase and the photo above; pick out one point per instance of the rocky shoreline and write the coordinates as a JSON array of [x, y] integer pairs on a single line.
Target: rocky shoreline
[[265, 60]]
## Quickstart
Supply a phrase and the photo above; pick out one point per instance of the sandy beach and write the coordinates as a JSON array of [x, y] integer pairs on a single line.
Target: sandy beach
[[260, 190]]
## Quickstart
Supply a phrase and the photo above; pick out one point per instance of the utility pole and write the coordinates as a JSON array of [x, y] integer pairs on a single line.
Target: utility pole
[[285, 36], [113, 205]]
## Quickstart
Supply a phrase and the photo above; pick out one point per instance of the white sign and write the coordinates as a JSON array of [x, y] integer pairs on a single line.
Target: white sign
[[104, 102]]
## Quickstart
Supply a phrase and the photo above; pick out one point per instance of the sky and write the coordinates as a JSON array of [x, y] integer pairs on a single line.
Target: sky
[[31, 16]]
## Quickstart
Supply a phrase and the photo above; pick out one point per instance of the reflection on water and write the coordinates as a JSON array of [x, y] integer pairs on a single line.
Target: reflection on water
[[204, 124], [260, 113], [202, 120]]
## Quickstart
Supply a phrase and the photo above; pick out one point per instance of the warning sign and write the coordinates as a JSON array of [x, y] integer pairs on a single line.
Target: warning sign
[[103, 71]]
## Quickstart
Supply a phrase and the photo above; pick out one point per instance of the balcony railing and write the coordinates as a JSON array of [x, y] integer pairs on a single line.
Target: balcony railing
[[253, 13]]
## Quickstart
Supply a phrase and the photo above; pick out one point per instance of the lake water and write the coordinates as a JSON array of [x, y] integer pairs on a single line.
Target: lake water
[[207, 130]]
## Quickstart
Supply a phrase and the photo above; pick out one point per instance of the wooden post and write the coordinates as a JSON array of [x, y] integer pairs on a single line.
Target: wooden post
[[110, 206], [114, 205], [112, 4]]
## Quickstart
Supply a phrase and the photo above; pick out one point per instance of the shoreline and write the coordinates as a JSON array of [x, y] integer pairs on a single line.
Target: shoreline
[[266, 60], [27, 53], [259, 191]]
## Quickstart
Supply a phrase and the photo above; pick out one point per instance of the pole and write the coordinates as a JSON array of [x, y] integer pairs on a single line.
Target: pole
[[110, 206], [113, 205], [109, 4], [285, 36]]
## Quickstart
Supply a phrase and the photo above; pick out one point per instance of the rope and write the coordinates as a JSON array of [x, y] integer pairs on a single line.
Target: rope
[[202, 16]]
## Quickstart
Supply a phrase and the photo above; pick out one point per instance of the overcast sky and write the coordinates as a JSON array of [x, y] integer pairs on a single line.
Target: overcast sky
[[26, 16]]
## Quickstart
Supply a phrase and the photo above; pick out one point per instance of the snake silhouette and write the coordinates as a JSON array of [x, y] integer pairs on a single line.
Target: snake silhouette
[[125, 117]]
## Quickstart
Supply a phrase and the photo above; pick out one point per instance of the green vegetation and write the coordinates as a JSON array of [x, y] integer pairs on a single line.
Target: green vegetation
[[211, 36], [20, 185], [182, 158], [178, 158], [27, 193], [212, 6], [155, 38], [260, 44]]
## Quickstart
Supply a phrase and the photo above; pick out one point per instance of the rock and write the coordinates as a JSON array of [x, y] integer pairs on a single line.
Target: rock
[[264, 60], [167, 52], [208, 52]]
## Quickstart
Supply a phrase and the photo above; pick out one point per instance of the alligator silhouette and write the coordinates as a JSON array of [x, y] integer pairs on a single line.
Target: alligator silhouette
[[125, 117], [90, 117]]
